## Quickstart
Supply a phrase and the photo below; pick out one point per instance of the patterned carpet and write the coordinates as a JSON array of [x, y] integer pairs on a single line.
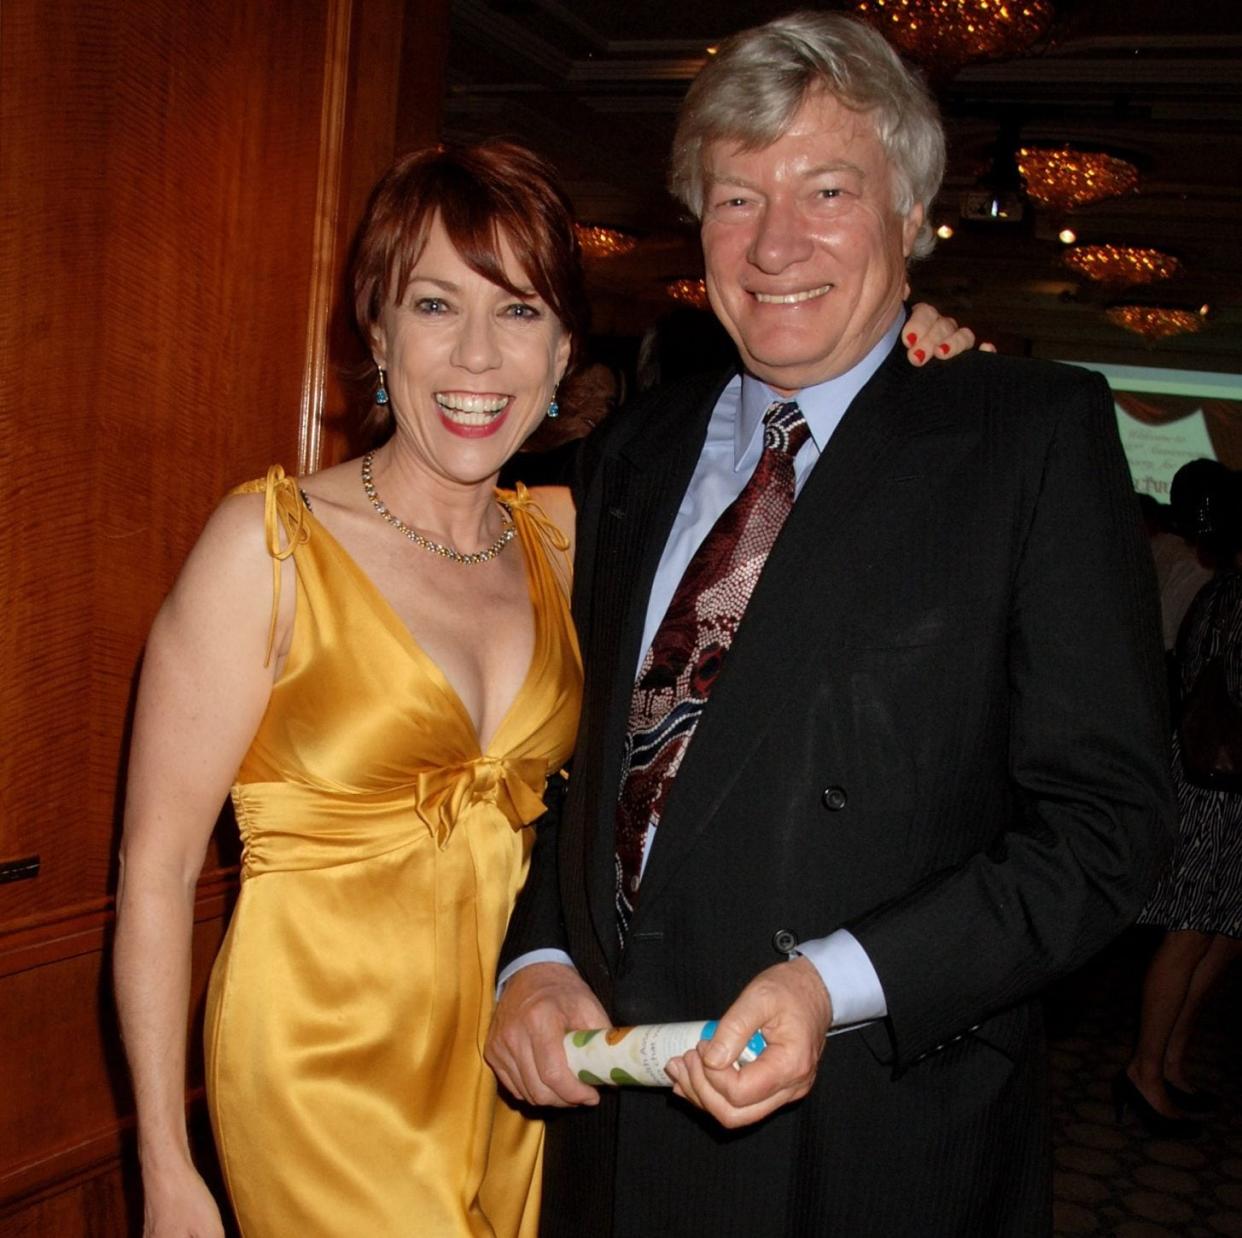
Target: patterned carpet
[[1117, 1181]]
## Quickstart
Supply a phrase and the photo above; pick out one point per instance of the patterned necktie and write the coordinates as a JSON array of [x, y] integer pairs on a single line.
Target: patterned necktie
[[689, 647]]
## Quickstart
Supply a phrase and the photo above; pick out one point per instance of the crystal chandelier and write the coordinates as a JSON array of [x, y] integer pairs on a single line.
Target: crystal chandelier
[[1154, 322], [600, 242], [943, 35], [1121, 264], [689, 291], [1063, 178]]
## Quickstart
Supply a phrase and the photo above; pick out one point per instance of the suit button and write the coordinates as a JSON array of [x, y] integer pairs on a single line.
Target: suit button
[[833, 798], [784, 942]]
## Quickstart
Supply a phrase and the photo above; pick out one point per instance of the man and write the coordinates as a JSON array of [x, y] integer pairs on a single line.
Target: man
[[925, 774]]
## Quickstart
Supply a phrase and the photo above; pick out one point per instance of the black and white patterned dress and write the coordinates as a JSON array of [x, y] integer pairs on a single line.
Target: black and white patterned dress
[[1202, 887]]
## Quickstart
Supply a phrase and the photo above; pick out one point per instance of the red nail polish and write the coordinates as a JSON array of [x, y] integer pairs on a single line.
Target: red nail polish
[[911, 338], [944, 348], [920, 355]]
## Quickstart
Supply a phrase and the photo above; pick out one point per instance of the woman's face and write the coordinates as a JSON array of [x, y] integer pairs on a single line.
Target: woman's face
[[471, 368]]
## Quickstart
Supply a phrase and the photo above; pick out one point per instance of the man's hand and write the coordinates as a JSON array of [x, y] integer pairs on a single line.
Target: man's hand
[[525, 1045], [789, 1003]]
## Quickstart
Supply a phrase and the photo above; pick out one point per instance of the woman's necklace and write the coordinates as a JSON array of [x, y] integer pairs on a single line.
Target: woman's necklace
[[436, 548]]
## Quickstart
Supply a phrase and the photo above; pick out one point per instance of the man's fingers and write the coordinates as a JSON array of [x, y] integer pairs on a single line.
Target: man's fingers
[[561, 1082], [525, 1045], [707, 1090], [733, 1032], [533, 1067]]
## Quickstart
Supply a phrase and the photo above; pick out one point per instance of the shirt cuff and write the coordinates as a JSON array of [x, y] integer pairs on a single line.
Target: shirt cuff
[[855, 989], [550, 955]]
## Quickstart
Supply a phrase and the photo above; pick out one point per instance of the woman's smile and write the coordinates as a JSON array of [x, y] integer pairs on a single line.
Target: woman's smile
[[472, 414]]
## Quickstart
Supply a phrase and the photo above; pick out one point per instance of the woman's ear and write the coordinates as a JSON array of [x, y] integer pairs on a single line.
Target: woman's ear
[[563, 348], [379, 347]]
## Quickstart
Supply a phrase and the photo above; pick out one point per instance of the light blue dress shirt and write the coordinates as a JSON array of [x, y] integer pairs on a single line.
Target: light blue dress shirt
[[730, 453]]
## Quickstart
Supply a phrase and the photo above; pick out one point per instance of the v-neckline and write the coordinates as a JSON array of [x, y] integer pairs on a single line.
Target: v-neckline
[[388, 613]]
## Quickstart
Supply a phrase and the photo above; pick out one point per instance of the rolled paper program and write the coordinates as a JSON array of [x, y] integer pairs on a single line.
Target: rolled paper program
[[638, 1055]]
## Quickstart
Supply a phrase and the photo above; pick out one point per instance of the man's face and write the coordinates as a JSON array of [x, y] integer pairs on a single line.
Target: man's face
[[805, 253]]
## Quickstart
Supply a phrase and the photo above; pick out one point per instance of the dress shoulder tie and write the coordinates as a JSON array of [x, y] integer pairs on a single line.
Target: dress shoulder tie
[[284, 518], [523, 507]]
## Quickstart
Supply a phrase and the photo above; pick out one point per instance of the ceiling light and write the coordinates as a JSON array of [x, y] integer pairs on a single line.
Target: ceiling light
[[943, 35], [1121, 264], [599, 242], [1067, 236], [1063, 178], [689, 291], [1154, 322]]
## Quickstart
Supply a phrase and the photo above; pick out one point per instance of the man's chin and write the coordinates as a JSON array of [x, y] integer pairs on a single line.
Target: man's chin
[[785, 377]]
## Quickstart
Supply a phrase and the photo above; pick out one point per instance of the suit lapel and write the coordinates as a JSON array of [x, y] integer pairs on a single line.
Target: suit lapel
[[795, 600]]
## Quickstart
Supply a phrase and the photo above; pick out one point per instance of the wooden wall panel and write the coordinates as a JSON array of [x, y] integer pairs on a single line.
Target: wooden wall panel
[[157, 240], [178, 180]]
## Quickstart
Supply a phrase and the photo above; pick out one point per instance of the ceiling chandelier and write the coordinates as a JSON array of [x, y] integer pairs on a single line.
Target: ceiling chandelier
[[1063, 178], [689, 292], [1121, 264], [943, 35], [1154, 322], [599, 242]]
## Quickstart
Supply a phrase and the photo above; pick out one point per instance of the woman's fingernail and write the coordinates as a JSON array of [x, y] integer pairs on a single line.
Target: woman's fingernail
[[920, 355], [911, 338], [944, 348]]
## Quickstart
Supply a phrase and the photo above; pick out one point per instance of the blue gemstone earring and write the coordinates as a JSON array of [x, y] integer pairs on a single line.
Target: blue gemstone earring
[[554, 409], [381, 392]]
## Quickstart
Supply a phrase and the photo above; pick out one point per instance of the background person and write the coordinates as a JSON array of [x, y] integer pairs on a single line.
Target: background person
[[1198, 901]]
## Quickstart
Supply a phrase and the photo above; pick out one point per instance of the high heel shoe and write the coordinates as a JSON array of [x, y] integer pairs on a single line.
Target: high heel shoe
[[1127, 1098], [1196, 1103]]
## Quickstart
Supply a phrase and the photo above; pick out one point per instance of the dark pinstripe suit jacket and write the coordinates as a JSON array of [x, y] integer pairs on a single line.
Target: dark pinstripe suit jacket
[[957, 633]]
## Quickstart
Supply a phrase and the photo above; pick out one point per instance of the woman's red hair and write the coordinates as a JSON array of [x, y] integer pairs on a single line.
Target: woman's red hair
[[480, 193]]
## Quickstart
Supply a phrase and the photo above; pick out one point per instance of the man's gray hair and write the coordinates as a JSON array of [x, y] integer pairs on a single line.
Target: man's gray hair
[[750, 91]]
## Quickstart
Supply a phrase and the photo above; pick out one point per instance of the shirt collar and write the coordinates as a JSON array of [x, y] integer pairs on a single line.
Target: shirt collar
[[823, 405]]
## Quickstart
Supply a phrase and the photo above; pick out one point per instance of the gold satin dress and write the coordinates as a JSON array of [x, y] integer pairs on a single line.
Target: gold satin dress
[[382, 854]]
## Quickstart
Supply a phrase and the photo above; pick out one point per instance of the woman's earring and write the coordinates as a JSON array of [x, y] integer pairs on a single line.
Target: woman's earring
[[381, 392], [554, 409]]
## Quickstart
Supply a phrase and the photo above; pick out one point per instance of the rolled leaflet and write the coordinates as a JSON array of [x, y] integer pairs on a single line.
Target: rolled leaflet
[[638, 1055]]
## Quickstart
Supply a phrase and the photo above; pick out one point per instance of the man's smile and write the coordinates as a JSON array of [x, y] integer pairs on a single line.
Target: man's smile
[[792, 298]]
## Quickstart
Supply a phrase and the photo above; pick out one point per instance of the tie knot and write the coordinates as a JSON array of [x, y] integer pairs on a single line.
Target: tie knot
[[784, 428]]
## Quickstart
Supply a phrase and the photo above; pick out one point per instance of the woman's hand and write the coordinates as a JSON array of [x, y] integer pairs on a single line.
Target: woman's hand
[[180, 1207], [929, 333]]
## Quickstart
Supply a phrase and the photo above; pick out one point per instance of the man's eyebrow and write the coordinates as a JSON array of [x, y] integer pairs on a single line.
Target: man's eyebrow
[[834, 165], [729, 178], [820, 169]]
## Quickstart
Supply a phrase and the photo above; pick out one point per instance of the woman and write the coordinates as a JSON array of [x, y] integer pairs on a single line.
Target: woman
[[1198, 901], [378, 660]]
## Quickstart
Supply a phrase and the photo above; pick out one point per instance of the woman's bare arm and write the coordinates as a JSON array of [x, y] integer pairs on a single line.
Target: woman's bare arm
[[203, 691]]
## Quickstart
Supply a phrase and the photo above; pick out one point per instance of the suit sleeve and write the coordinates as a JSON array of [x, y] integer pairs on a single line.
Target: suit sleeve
[[536, 922], [1088, 762]]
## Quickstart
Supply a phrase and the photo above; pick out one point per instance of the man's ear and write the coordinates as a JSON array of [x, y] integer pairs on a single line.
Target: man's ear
[[910, 228]]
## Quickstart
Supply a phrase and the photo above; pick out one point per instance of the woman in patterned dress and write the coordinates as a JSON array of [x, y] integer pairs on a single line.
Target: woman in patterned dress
[[1198, 901]]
